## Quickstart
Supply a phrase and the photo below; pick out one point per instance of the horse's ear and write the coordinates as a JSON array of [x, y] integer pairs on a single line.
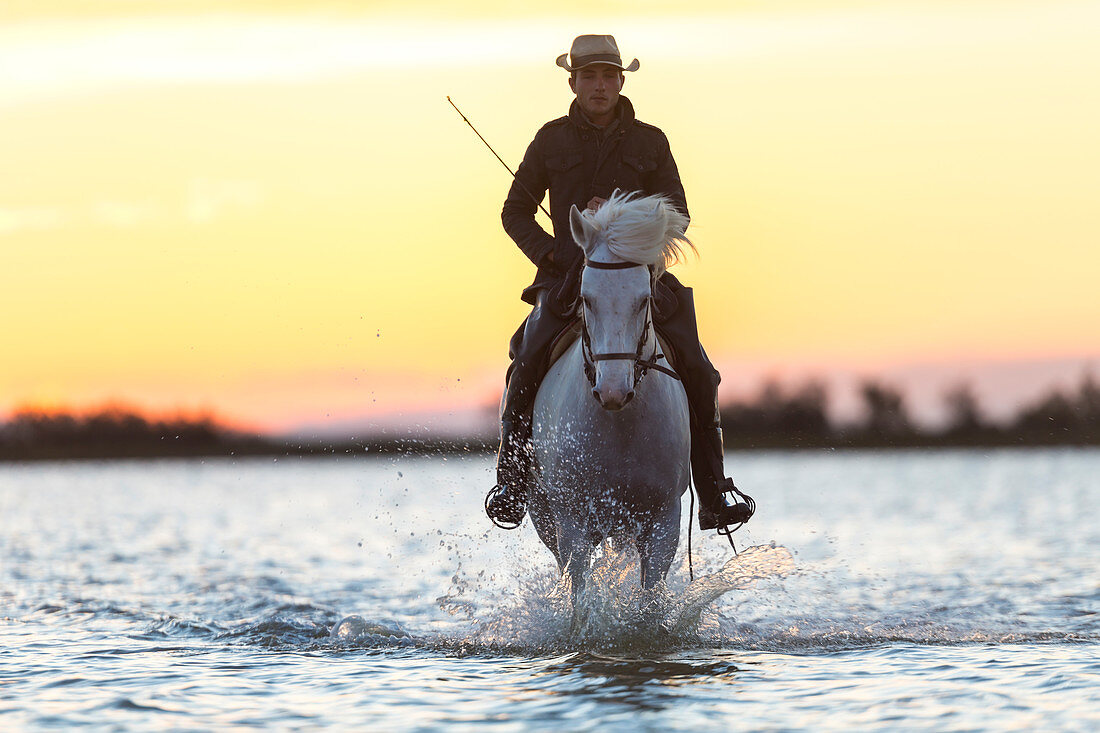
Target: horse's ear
[[579, 227]]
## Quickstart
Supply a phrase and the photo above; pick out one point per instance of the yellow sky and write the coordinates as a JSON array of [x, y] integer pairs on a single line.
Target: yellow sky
[[269, 208]]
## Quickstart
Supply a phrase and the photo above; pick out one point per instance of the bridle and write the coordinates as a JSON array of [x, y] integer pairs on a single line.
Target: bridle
[[641, 366]]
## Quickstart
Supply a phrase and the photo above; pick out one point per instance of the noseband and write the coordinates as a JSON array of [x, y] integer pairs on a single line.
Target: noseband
[[641, 366]]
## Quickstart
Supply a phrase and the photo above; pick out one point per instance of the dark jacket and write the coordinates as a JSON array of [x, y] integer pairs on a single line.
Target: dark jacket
[[575, 162]]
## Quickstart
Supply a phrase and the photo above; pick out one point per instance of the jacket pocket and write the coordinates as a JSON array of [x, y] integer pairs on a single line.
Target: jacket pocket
[[563, 162], [635, 173], [641, 164]]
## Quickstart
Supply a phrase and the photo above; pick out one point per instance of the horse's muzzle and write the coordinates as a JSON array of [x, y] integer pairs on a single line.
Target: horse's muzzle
[[613, 401]]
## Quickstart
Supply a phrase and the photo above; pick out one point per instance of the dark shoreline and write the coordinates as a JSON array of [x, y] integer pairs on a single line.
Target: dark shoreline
[[777, 419], [413, 448]]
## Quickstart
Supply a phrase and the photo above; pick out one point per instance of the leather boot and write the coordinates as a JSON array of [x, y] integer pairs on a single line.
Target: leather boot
[[701, 380], [716, 510], [506, 503]]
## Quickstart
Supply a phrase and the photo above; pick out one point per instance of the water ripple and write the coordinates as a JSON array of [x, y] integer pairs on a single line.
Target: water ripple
[[244, 594]]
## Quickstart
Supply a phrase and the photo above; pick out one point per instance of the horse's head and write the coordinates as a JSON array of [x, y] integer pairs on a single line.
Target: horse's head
[[628, 242]]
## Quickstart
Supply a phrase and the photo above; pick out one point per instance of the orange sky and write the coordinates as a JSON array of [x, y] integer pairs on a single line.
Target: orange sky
[[268, 208]]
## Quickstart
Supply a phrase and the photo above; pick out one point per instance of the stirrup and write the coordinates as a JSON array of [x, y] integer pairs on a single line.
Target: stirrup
[[493, 492], [727, 530]]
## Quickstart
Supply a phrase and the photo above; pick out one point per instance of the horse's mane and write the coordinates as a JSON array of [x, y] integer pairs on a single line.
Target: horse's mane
[[648, 230]]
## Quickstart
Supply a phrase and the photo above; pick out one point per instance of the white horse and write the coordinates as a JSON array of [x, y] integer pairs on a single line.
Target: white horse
[[616, 465]]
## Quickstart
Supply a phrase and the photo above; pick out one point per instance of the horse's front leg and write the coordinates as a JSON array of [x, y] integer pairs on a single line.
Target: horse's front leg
[[657, 545], [576, 552]]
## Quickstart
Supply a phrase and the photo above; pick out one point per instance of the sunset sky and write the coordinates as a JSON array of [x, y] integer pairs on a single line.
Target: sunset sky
[[269, 209]]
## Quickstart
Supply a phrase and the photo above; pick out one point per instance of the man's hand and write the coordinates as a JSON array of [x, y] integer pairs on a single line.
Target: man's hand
[[595, 202]]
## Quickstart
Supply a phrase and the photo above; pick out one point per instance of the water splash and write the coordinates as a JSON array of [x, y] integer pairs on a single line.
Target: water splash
[[357, 631], [739, 573], [614, 612]]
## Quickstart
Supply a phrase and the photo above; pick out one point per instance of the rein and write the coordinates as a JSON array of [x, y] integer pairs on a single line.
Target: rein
[[641, 366]]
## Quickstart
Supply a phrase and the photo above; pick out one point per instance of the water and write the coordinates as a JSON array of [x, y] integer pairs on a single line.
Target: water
[[940, 590]]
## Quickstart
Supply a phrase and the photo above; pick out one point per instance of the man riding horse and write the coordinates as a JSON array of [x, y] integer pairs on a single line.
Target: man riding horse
[[581, 159]]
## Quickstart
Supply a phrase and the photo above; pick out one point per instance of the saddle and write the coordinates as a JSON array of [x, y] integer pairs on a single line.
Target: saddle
[[563, 341]]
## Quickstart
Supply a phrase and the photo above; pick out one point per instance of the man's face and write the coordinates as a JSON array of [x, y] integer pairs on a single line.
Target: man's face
[[597, 88]]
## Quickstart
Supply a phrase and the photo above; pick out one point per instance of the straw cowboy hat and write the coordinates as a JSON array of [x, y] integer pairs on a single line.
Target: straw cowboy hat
[[588, 50]]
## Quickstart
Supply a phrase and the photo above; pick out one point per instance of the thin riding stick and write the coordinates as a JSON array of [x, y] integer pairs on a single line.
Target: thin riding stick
[[501, 160]]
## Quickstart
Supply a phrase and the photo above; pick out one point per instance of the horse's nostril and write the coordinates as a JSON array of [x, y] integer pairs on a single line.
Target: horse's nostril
[[611, 401]]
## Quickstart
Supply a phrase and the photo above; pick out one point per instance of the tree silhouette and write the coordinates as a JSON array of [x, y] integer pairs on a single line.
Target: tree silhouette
[[119, 432], [1062, 419], [886, 417], [964, 414], [779, 418], [1088, 405]]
